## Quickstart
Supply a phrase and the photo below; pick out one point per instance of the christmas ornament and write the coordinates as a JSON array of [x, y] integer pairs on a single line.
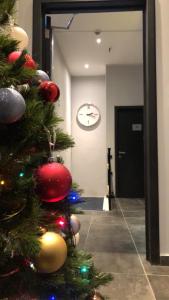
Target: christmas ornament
[[75, 224], [12, 105], [53, 253], [30, 63], [50, 91], [53, 182], [76, 239], [95, 296], [21, 36], [43, 76], [74, 197]]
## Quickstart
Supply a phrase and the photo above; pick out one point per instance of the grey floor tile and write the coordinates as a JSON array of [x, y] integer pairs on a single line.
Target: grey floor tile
[[118, 262], [115, 217], [152, 269], [132, 204], [128, 287], [85, 221], [102, 213], [135, 220], [135, 214], [109, 238], [138, 233], [160, 285]]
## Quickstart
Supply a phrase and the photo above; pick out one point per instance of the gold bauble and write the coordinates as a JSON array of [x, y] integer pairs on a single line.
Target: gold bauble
[[21, 36], [53, 253]]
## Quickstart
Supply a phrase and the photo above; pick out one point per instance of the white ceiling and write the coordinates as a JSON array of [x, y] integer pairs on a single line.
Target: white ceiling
[[121, 35]]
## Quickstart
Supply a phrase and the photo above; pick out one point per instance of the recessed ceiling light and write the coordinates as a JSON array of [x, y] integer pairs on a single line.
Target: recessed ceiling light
[[98, 40], [86, 66]]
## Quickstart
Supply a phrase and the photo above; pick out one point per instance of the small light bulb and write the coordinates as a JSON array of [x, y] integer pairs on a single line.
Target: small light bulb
[[86, 66], [52, 298], [84, 269], [32, 266], [2, 182], [98, 41], [21, 174]]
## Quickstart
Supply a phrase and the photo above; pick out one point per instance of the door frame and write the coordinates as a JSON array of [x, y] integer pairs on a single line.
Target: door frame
[[42, 7], [116, 111]]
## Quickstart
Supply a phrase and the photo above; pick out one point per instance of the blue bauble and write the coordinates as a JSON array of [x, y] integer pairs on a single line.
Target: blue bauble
[[12, 106]]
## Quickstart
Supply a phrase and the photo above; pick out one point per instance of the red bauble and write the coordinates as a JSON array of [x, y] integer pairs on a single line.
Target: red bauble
[[30, 63], [50, 91], [54, 182]]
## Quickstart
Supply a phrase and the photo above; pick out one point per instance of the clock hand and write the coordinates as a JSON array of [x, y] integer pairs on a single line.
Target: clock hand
[[92, 115]]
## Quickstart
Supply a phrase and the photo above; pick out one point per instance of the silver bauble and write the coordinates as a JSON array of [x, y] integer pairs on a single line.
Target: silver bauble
[[75, 224], [43, 76], [12, 106]]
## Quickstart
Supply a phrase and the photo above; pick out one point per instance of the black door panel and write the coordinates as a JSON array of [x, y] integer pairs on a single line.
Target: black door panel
[[129, 152]]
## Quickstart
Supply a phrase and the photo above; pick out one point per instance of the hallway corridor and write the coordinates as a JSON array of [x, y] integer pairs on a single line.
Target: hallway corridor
[[117, 241]]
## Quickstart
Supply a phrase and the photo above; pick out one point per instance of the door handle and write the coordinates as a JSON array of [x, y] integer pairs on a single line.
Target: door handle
[[122, 152]]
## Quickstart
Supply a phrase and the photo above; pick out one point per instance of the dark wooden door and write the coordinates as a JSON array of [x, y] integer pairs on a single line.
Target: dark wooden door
[[129, 152]]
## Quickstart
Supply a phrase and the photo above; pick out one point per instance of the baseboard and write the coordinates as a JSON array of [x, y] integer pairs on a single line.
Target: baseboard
[[164, 260]]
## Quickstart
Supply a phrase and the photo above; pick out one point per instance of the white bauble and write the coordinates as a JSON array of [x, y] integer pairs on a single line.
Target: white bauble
[[20, 35]]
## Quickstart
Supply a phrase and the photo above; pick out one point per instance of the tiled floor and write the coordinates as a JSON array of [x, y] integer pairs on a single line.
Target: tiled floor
[[117, 241]]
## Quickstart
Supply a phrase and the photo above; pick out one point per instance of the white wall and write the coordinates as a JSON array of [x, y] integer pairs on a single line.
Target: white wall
[[162, 25], [24, 18], [124, 87], [61, 76], [89, 154]]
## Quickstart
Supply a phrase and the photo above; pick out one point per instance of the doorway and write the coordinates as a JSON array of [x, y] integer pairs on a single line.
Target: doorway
[[43, 7], [129, 153]]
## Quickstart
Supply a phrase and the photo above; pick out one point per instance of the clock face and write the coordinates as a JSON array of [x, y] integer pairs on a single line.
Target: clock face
[[88, 115]]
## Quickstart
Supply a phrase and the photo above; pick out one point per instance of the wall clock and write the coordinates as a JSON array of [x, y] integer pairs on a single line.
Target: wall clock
[[88, 115]]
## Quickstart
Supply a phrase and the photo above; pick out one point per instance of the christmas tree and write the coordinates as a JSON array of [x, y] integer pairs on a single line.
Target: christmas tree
[[38, 230]]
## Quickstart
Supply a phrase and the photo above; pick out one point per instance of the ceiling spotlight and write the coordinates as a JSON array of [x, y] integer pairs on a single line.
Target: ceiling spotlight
[[98, 40], [86, 66]]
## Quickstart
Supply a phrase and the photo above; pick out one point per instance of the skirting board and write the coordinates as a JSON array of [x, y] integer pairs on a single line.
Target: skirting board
[[164, 260]]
